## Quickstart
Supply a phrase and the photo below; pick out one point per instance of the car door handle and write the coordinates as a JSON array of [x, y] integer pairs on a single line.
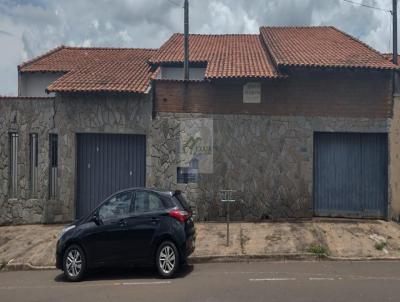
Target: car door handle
[[154, 220], [122, 222]]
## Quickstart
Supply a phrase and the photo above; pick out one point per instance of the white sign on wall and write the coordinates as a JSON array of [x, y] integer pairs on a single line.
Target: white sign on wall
[[252, 93], [196, 144]]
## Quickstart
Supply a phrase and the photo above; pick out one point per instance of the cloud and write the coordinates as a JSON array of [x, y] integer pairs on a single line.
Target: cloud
[[31, 27], [6, 33]]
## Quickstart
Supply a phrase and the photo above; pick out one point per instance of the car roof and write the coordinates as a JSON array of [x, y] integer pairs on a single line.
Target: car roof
[[154, 190]]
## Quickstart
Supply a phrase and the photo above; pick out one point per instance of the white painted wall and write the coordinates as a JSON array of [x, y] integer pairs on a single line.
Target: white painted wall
[[35, 83], [176, 73]]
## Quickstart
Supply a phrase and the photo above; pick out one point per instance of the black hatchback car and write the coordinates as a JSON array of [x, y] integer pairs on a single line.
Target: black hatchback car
[[135, 226]]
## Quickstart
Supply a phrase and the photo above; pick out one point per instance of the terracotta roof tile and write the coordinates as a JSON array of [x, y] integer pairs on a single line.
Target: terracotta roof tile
[[389, 57], [227, 56], [95, 69], [320, 47]]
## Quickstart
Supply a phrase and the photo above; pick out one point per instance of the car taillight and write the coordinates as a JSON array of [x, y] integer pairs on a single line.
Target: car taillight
[[180, 215]]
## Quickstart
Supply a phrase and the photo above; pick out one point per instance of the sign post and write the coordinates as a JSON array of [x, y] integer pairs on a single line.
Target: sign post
[[226, 196]]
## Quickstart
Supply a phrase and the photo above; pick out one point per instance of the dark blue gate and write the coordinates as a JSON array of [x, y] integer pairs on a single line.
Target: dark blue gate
[[107, 163], [350, 174]]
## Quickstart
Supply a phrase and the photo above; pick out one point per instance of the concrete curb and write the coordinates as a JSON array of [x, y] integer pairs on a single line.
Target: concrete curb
[[254, 258], [25, 267], [229, 259], [283, 257]]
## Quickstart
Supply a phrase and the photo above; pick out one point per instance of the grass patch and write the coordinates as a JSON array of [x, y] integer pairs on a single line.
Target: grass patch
[[380, 245], [318, 249]]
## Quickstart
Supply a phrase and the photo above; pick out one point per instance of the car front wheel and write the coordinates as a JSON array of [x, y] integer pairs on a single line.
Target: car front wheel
[[74, 263], [167, 259]]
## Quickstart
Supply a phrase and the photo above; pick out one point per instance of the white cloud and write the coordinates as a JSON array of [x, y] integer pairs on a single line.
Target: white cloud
[[31, 27]]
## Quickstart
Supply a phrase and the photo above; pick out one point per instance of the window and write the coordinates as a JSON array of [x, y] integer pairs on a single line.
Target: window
[[33, 156], [147, 202], [186, 175], [116, 207], [252, 93], [53, 152], [13, 164], [176, 73]]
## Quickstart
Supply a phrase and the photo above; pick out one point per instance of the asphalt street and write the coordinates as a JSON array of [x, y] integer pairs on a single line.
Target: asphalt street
[[255, 281]]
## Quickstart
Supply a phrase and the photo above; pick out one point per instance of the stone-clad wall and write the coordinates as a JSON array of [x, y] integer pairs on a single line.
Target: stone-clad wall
[[65, 115], [268, 160], [31, 115], [394, 161]]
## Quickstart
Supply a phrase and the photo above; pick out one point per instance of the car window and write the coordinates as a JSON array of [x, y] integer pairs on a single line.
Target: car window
[[116, 207], [181, 202], [147, 202]]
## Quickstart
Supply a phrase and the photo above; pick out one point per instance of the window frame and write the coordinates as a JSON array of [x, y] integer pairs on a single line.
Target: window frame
[[13, 164], [133, 204], [53, 165], [33, 163]]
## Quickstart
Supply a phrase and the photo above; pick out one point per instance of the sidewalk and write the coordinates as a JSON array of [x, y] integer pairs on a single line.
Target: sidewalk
[[33, 246]]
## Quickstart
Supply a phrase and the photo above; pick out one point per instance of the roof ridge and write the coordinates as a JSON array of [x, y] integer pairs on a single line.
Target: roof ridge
[[111, 48], [297, 26], [216, 35], [34, 59], [267, 48]]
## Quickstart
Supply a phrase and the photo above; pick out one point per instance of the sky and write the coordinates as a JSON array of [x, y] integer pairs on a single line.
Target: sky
[[31, 27]]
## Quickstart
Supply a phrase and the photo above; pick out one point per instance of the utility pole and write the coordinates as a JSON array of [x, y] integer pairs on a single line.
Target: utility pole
[[186, 41], [394, 19]]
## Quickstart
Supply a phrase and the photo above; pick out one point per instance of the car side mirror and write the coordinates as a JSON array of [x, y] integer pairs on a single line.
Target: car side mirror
[[96, 218]]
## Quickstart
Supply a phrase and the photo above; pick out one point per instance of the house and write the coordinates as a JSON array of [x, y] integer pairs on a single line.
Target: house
[[299, 121]]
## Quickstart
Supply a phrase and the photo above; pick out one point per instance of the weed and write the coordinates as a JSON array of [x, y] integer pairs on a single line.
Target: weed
[[380, 245], [318, 249]]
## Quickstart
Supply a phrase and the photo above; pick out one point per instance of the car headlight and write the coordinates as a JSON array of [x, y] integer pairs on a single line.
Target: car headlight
[[64, 230]]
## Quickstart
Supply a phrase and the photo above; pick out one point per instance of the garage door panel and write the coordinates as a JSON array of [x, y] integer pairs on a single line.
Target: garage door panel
[[374, 174], [107, 163], [350, 174]]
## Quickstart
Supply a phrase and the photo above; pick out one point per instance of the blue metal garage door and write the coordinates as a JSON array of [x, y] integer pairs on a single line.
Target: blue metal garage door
[[107, 163], [350, 174]]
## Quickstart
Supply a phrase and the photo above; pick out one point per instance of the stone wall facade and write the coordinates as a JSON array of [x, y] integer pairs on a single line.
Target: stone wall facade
[[24, 116], [394, 161], [65, 115], [268, 160]]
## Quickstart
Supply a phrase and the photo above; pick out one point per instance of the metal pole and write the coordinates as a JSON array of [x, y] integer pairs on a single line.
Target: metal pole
[[186, 41], [394, 19], [227, 223]]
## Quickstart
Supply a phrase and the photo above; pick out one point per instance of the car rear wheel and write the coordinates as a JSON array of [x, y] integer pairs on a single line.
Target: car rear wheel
[[74, 263], [167, 259]]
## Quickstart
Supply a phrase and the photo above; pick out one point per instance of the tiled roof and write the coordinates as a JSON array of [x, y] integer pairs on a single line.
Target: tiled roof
[[227, 56], [320, 47], [389, 57], [95, 69]]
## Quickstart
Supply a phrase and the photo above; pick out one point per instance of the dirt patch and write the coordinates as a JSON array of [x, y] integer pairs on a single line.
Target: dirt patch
[[4, 240], [36, 244]]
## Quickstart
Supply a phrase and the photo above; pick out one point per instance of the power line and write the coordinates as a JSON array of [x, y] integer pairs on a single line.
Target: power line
[[368, 6], [174, 3]]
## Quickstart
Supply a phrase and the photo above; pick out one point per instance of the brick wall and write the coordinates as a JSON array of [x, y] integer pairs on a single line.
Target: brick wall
[[305, 93]]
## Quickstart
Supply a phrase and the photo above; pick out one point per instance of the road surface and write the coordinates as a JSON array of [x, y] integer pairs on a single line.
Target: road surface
[[256, 281]]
